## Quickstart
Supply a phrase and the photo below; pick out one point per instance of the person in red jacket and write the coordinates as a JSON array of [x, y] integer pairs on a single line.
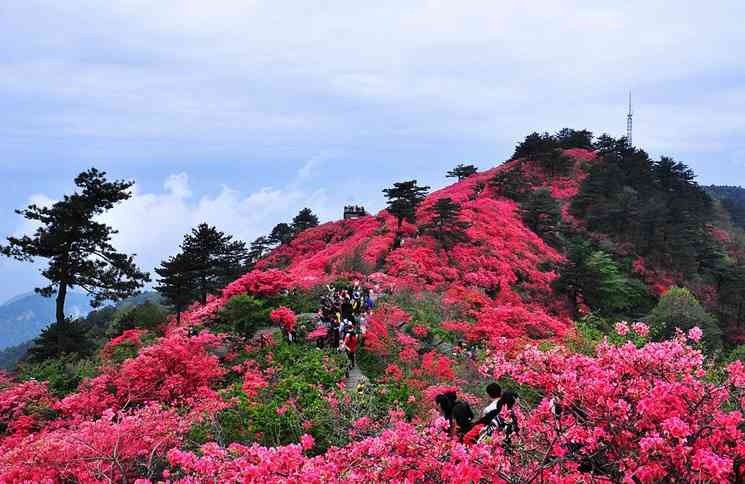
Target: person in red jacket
[[350, 346]]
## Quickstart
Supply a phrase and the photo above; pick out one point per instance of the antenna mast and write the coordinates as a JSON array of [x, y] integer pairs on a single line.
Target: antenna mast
[[629, 122]]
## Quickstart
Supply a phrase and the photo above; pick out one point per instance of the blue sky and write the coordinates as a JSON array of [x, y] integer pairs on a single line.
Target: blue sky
[[239, 113]]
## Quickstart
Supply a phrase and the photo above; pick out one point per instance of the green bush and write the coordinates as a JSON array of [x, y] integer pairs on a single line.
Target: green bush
[[737, 353], [68, 338], [302, 378], [63, 374], [147, 315], [679, 308], [300, 301], [244, 315]]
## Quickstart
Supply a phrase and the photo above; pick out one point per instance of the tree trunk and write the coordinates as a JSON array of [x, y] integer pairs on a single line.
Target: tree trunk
[[61, 295], [203, 295]]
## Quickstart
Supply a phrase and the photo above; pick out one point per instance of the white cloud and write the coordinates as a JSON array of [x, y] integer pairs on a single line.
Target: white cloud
[[153, 225]]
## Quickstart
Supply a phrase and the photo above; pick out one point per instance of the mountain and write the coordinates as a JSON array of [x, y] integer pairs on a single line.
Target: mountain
[[524, 274], [23, 317]]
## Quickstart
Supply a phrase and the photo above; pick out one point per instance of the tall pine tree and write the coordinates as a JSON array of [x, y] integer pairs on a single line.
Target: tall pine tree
[[542, 213], [403, 200], [258, 250], [77, 247], [305, 219], [281, 234], [176, 283], [215, 258]]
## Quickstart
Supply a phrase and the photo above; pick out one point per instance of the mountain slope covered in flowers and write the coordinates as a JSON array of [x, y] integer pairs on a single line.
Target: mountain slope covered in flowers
[[200, 400]]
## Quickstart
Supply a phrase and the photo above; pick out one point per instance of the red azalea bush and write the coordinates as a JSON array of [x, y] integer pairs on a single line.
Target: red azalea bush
[[23, 409], [175, 367], [284, 317], [114, 448]]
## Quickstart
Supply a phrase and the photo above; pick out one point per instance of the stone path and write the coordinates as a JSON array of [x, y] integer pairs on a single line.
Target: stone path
[[356, 377]]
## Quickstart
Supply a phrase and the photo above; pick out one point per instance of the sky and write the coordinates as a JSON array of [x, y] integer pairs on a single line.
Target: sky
[[239, 113]]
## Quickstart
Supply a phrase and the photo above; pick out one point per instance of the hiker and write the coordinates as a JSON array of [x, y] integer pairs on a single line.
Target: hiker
[[487, 415], [446, 402], [347, 309], [350, 346], [463, 418], [505, 420], [495, 393]]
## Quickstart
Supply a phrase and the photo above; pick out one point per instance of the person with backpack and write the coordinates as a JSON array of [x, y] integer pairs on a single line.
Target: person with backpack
[[349, 344]]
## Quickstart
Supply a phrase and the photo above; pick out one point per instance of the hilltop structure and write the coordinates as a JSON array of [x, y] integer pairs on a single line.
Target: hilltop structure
[[353, 212]]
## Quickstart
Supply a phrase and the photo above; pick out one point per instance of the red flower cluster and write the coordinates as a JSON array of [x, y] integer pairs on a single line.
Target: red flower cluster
[[284, 317]]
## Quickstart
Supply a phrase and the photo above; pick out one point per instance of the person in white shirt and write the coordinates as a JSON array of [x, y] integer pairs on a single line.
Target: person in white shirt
[[495, 392]]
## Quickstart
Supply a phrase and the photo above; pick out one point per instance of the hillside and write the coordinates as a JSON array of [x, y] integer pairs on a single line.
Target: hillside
[[733, 200], [562, 242]]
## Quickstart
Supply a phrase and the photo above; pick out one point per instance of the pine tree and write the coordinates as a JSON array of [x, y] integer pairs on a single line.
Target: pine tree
[[304, 220], [403, 200], [215, 258], [542, 213], [281, 234], [177, 283], [535, 146], [446, 225], [572, 138], [259, 249], [77, 247], [591, 276], [461, 172], [510, 184]]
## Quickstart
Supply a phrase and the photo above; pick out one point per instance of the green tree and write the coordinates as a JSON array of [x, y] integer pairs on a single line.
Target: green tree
[[403, 200], [68, 338], [511, 184], [593, 277], [177, 283], [679, 308], [78, 248], [446, 225], [259, 249], [215, 259], [461, 172], [572, 138], [281, 234], [305, 219], [535, 145], [542, 213]]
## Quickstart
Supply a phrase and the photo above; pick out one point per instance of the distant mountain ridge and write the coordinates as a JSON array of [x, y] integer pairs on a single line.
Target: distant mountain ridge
[[24, 316]]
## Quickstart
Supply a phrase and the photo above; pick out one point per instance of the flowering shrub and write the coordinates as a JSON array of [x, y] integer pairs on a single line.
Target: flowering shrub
[[22, 408], [284, 317], [116, 447]]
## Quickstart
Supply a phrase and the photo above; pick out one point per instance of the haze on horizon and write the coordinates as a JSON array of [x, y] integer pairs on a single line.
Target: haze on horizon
[[239, 113]]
